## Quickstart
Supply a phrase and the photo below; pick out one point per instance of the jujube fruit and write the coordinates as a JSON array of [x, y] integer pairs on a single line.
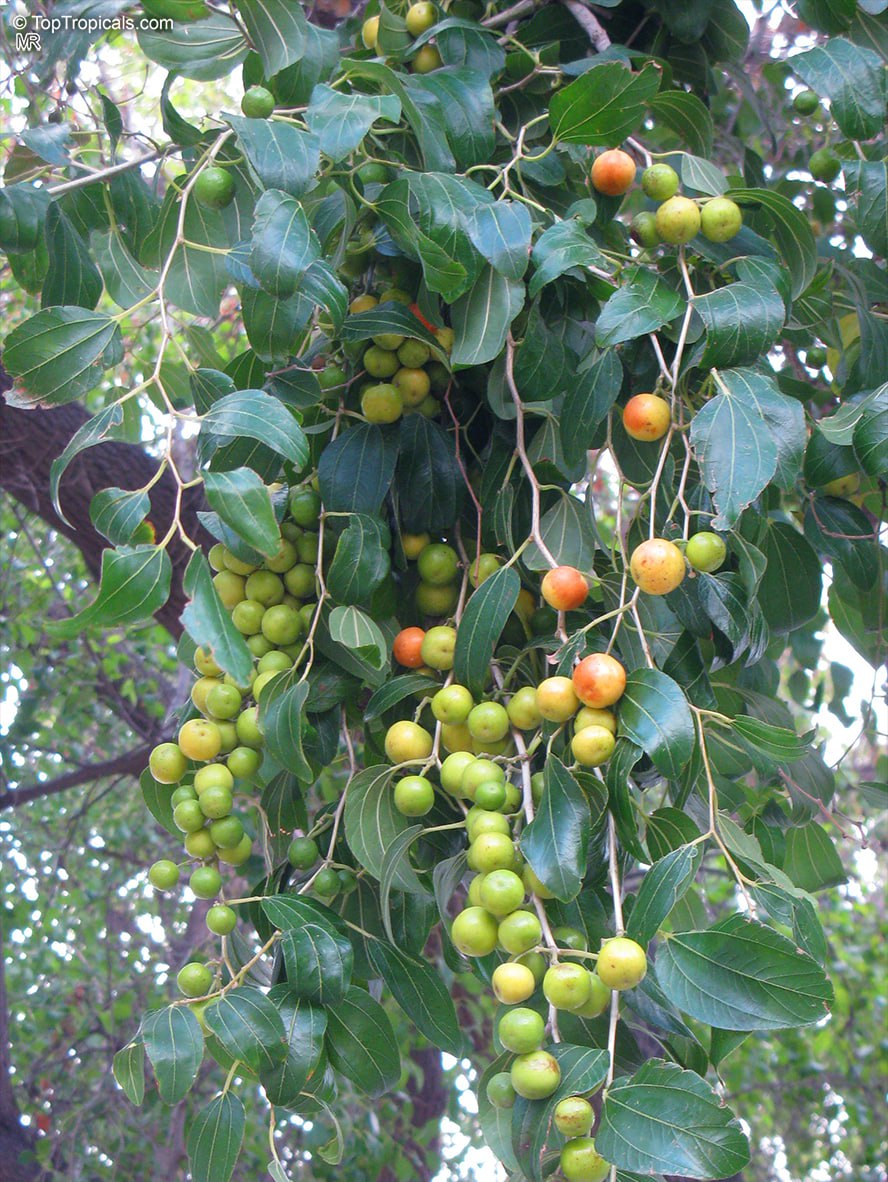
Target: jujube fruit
[[657, 566], [622, 963], [564, 588], [613, 172], [599, 680], [646, 417], [677, 220]]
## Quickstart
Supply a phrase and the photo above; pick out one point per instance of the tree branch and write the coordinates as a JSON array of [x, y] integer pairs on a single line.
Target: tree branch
[[590, 24], [130, 763]]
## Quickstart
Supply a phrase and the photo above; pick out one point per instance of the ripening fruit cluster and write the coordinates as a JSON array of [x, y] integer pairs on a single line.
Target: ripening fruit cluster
[[420, 17], [272, 604], [678, 219]]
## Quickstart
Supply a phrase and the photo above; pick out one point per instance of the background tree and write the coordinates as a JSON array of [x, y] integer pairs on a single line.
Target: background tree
[[155, 306]]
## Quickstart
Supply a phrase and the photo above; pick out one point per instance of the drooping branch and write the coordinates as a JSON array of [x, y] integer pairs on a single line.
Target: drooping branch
[[130, 763]]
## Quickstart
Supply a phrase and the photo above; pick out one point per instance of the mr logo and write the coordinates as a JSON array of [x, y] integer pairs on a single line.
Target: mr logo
[[27, 42]]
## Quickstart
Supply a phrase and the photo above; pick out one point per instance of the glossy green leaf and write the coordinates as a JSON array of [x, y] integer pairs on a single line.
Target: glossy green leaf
[[396, 866], [418, 989], [812, 860], [482, 624], [277, 30], [428, 481], [602, 106], [561, 248], [743, 320], [361, 1043], [319, 962], [117, 513], [501, 234], [556, 841], [174, 1042], [59, 355], [157, 800], [291, 911], [215, 1138], [133, 585], [740, 975], [566, 530], [126, 281], [203, 50], [372, 823], [356, 470], [388, 317], [843, 533], [465, 103], [340, 121], [586, 404], [361, 561], [482, 317], [853, 79], [685, 114], [789, 593], [243, 502], [128, 1066], [642, 304], [868, 181], [737, 455], [665, 1119], [209, 625], [780, 744], [283, 245], [654, 713], [195, 278], [282, 156], [871, 435], [248, 1026], [701, 176], [258, 416], [304, 1028], [791, 231], [355, 630], [395, 690], [282, 718], [72, 278], [667, 881]]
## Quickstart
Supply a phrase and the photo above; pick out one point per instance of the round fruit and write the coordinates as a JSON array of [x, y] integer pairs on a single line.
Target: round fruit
[[586, 716], [453, 704], [677, 220], [613, 172], [481, 771], [370, 32], [599, 680], [226, 833], [326, 883], [243, 762], [187, 816], [556, 699], [247, 616], [474, 932], [215, 802], [491, 796], [413, 544], [205, 882], [229, 588], [438, 564], [249, 732], [824, 165], [535, 1075], [257, 103], [167, 763], [500, 1092], [643, 228], [414, 354], [581, 1161], [205, 663], [647, 417], [660, 182], [534, 886], [200, 844], [420, 18], [501, 892], [164, 875], [240, 853], [806, 102], [492, 851], [521, 1030], [593, 746], [438, 647], [214, 188], [200, 740], [224, 701], [519, 932], [303, 853], [453, 769], [407, 648], [842, 486], [436, 601], [414, 796], [381, 404], [522, 709], [426, 60], [573, 1116], [184, 792], [488, 721], [720, 219], [599, 998], [305, 507], [657, 566], [564, 588], [412, 384], [706, 551], [274, 662], [512, 983], [456, 738], [380, 363], [389, 340], [480, 821], [815, 357], [194, 979], [622, 963], [407, 742], [221, 920], [566, 986]]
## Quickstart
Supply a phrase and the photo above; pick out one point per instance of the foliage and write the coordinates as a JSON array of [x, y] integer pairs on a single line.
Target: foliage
[[447, 175]]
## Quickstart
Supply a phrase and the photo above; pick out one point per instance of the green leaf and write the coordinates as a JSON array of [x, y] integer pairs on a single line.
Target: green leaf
[[406, 685], [587, 403], [203, 50], [789, 593], [812, 860], [243, 502], [319, 962], [783, 745], [482, 317], [48, 142], [125, 280], [157, 800], [868, 181], [481, 627], [667, 881], [248, 1026], [740, 975], [602, 106], [843, 533], [283, 245], [561, 248], [282, 718], [195, 278], [654, 713], [871, 435], [73, 277], [465, 102], [428, 481], [853, 79], [356, 470], [215, 1139], [277, 30], [425, 119], [701, 176], [418, 989], [791, 231], [389, 317], [664, 1119], [134, 584], [117, 513], [566, 530], [642, 304], [291, 912], [372, 823], [340, 121], [496, 1123], [304, 1028], [501, 234], [556, 841], [128, 1066], [209, 625], [174, 1042], [282, 156], [59, 355], [361, 562], [23, 210], [259, 416], [743, 320], [361, 1043], [355, 630], [686, 115], [583, 1071]]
